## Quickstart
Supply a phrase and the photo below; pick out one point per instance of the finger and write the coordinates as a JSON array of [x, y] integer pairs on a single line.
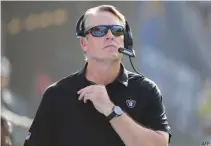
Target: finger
[[82, 94], [86, 97], [81, 90], [88, 88], [89, 96]]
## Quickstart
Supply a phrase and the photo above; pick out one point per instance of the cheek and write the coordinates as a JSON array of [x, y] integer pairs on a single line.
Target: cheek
[[121, 40], [96, 43]]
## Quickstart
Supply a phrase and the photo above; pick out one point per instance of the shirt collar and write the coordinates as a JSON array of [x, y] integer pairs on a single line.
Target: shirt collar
[[121, 78]]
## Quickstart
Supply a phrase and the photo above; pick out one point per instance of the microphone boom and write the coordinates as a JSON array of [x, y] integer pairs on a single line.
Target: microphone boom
[[128, 52]]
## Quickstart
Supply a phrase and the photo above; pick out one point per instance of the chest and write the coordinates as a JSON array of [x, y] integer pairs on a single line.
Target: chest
[[82, 124]]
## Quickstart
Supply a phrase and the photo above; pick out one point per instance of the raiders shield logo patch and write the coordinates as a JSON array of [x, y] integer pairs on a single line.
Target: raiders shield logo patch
[[131, 103]]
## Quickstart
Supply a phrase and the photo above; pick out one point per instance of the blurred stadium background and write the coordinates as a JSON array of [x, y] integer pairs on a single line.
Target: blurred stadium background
[[172, 43]]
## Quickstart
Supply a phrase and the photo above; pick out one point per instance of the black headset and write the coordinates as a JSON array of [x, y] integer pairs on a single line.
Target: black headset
[[128, 41]]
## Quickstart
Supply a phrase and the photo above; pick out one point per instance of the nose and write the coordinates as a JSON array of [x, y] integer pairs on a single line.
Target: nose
[[109, 35]]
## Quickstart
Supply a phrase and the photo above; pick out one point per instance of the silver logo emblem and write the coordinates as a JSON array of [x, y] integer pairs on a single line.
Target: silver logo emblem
[[131, 103]]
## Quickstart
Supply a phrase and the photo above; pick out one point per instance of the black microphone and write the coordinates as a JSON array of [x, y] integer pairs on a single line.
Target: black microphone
[[128, 52]]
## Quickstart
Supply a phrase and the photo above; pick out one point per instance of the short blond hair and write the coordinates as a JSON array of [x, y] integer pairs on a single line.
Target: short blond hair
[[103, 8]]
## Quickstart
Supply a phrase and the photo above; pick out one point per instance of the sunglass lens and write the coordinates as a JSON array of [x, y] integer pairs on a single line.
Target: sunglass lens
[[117, 30], [99, 31]]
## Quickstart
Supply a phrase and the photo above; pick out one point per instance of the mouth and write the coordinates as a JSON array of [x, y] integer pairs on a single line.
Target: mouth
[[108, 46]]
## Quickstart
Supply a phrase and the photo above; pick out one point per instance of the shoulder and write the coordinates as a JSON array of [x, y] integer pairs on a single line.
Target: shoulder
[[62, 85], [143, 82]]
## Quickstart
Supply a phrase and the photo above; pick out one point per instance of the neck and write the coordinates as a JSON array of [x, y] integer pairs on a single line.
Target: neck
[[102, 73]]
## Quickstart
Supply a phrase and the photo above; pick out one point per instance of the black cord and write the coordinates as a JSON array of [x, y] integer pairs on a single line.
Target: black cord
[[133, 66]]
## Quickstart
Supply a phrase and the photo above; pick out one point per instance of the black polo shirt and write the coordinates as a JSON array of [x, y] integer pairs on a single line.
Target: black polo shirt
[[63, 120]]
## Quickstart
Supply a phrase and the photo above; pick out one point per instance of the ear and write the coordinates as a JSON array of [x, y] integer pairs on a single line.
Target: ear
[[83, 43]]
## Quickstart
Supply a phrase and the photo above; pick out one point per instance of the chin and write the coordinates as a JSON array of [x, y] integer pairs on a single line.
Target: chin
[[114, 58], [107, 56], [109, 59]]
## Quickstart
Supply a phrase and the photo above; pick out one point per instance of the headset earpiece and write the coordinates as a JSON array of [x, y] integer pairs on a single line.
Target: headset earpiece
[[128, 40], [80, 27]]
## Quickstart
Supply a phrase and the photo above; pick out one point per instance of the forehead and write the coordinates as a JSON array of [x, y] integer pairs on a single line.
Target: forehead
[[103, 18]]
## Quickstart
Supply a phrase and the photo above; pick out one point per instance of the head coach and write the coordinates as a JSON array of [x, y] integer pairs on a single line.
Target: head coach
[[103, 104]]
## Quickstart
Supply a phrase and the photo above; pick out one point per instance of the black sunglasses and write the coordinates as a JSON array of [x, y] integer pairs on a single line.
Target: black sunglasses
[[102, 30]]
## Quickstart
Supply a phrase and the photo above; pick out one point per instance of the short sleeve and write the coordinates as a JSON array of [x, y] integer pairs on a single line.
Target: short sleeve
[[42, 131], [156, 117]]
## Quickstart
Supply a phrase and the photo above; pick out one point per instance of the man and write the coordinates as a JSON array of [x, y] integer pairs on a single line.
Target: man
[[103, 104]]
